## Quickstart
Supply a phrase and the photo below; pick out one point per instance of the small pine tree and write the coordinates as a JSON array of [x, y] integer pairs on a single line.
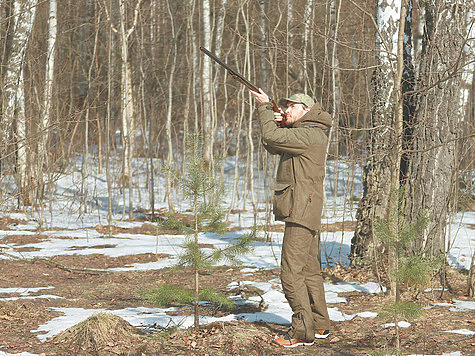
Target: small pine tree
[[205, 193], [412, 269]]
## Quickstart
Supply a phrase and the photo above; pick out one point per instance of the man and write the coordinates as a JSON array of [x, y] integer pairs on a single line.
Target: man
[[298, 201]]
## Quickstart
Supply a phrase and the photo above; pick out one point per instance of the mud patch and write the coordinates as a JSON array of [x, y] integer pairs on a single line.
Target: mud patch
[[23, 239], [106, 262]]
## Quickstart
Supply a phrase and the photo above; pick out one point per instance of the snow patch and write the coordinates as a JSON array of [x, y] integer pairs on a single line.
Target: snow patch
[[461, 332], [401, 324]]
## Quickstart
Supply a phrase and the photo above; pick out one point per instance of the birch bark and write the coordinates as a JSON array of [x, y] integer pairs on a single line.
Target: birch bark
[[308, 12], [377, 171], [47, 95], [333, 136], [13, 91], [206, 89], [128, 125], [170, 105]]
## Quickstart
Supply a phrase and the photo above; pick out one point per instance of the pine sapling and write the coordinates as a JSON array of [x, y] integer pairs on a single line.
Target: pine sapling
[[413, 269], [204, 192]]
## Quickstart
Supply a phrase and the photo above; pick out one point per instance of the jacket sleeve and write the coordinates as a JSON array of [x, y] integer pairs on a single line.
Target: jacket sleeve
[[270, 149], [294, 140]]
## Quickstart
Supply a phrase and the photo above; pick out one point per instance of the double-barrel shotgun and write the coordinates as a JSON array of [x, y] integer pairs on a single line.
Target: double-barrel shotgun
[[244, 81]]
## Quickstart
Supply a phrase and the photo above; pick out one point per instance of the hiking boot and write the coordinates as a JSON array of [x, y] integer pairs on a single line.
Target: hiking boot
[[322, 334], [287, 341]]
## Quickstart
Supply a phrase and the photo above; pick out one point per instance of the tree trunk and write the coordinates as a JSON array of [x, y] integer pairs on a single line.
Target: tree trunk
[[432, 161], [393, 213], [264, 70], [170, 106], [333, 135], [206, 87], [377, 171], [13, 91], [195, 63], [250, 143], [408, 86], [88, 104], [308, 13], [108, 128], [42, 156], [128, 115]]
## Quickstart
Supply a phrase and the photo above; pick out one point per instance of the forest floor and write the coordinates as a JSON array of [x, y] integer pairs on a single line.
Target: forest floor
[[80, 287]]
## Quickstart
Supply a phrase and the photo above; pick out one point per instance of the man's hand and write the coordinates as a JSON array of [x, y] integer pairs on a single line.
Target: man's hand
[[260, 96], [278, 117]]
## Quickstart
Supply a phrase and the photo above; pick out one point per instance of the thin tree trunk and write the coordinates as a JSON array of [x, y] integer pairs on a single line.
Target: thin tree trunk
[[206, 87], [42, 156], [307, 34], [108, 128], [264, 70], [170, 105], [333, 136], [195, 61], [128, 125], [250, 143], [84, 170], [393, 215]]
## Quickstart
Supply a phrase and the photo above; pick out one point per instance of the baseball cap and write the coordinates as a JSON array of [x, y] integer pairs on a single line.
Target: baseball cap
[[298, 98]]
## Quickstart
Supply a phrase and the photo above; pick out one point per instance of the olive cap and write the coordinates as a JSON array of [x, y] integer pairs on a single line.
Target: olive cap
[[298, 98]]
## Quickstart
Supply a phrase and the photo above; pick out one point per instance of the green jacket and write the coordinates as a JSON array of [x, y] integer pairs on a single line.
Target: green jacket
[[298, 186]]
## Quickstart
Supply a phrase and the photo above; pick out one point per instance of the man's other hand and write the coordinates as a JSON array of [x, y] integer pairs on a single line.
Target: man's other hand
[[260, 96]]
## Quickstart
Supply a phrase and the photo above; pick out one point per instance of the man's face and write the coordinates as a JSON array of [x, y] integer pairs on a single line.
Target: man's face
[[294, 112]]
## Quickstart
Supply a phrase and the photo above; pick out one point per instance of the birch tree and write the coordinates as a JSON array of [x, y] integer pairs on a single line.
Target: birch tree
[[42, 155], [170, 103], [264, 70], [379, 165], [127, 96], [207, 87], [333, 136], [308, 15], [23, 15]]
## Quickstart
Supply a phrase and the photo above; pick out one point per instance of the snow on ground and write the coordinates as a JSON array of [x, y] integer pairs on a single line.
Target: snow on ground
[[74, 233]]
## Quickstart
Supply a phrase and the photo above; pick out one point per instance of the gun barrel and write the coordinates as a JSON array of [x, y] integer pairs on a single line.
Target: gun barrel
[[243, 80], [231, 71]]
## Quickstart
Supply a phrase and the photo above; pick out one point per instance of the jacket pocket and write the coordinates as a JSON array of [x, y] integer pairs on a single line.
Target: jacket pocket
[[283, 200], [308, 202]]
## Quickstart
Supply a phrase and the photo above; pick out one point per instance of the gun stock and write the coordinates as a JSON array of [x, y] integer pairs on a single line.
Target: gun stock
[[243, 81]]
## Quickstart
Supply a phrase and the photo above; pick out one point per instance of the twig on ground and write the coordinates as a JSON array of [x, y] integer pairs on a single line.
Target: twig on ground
[[57, 264]]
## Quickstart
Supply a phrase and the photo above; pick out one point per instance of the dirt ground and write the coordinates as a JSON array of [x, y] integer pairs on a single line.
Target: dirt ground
[[80, 287]]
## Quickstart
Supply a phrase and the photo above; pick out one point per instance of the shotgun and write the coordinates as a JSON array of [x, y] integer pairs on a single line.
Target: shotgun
[[244, 81]]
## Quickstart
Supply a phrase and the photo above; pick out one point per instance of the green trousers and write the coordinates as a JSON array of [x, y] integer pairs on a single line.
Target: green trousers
[[302, 281]]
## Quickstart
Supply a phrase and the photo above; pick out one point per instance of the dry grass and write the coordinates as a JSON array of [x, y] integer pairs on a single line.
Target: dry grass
[[97, 333]]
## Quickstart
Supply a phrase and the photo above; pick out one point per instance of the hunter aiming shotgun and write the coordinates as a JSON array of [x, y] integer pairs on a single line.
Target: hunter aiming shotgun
[[244, 81]]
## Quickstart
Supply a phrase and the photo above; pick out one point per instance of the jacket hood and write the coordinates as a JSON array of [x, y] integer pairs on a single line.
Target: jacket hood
[[315, 117]]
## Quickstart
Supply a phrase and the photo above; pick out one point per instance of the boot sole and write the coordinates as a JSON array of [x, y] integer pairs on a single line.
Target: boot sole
[[295, 345]]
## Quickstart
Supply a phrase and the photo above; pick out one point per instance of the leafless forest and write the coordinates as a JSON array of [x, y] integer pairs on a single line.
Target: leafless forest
[[114, 81]]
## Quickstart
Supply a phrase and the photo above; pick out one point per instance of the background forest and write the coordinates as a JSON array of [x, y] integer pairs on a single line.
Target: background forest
[[115, 85]]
